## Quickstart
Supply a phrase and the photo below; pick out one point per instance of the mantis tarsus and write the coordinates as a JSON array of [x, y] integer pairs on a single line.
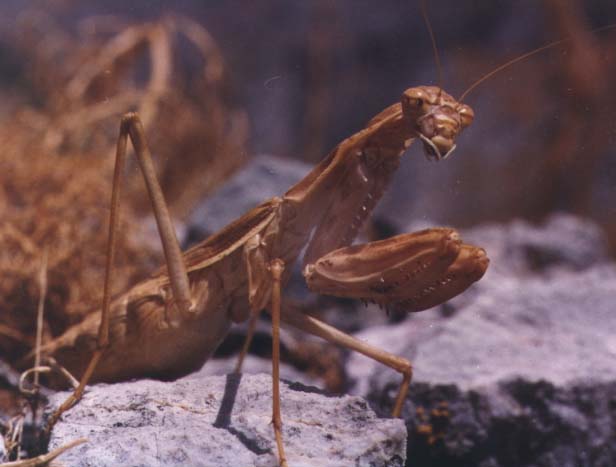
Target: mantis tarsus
[[169, 324]]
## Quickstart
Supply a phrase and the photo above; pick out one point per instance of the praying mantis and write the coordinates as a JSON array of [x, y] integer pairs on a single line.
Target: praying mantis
[[171, 323]]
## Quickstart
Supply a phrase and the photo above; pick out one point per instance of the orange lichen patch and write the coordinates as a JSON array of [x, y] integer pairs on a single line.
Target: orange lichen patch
[[431, 428]]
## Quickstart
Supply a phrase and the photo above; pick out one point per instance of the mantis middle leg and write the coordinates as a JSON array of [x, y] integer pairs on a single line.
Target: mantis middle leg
[[276, 269], [313, 326]]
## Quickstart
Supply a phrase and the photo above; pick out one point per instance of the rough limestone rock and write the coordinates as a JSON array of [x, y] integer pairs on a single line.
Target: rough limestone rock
[[521, 371], [223, 421]]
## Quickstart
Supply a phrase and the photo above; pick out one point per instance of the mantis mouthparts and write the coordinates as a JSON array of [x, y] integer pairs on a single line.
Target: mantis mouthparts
[[433, 147]]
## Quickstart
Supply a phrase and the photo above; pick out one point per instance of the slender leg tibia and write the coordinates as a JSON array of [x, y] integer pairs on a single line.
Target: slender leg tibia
[[252, 324], [316, 327], [77, 393], [276, 268]]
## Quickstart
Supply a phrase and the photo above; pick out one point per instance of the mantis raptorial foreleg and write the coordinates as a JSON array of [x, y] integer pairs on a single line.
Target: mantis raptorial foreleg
[[178, 276], [414, 271]]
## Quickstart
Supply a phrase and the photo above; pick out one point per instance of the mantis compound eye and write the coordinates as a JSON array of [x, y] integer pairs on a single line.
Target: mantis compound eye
[[466, 115], [414, 102]]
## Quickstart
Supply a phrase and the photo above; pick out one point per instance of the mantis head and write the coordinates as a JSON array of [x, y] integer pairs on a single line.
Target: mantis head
[[437, 119]]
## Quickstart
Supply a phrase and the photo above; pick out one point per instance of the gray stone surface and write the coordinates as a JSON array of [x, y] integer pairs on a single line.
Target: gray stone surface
[[262, 178], [223, 421], [525, 362], [2, 450]]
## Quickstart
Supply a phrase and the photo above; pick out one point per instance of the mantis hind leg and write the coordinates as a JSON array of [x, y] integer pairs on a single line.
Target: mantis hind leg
[[131, 127], [318, 328]]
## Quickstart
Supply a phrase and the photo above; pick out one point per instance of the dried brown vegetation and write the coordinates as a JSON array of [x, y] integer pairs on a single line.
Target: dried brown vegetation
[[55, 164]]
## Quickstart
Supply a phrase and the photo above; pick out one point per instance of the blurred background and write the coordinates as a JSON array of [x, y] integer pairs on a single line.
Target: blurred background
[[309, 74], [217, 83]]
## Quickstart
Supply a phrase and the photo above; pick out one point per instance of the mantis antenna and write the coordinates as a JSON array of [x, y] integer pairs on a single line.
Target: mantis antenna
[[522, 57], [437, 58]]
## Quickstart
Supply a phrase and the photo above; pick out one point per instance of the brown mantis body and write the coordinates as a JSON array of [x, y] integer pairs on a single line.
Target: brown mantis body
[[169, 324]]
